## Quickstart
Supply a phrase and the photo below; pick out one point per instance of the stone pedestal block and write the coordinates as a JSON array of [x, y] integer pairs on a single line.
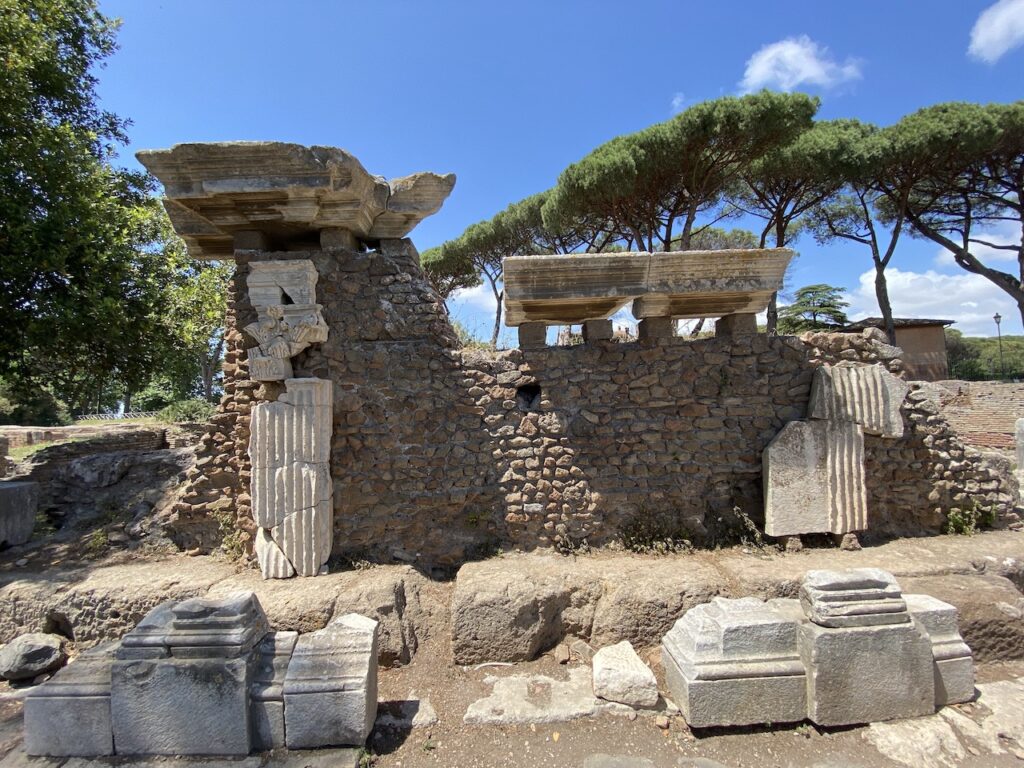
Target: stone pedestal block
[[330, 689], [337, 238], [866, 674], [814, 479], [952, 659], [181, 706], [740, 324], [19, 501], [735, 662], [69, 715], [266, 693], [853, 598], [597, 330], [652, 329], [868, 395], [533, 335]]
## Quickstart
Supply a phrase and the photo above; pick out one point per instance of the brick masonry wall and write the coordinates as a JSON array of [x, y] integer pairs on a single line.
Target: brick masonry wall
[[441, 454], [983, 412]]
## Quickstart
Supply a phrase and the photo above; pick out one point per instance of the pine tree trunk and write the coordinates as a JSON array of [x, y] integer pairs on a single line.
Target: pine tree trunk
[[882, 294]]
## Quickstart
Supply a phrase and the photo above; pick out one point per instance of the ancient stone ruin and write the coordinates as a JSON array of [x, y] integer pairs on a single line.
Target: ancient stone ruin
[[853, 649], [208, 677], [354, 425]]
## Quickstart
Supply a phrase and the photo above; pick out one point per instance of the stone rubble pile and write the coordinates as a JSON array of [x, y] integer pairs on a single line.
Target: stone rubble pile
[[207, 677], [853, 649]]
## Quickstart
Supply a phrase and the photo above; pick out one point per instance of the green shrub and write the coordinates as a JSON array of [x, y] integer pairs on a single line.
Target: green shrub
[[31, 408], [198, 411]]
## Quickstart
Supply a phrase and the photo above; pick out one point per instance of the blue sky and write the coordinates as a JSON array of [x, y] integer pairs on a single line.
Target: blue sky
[[506, 95]]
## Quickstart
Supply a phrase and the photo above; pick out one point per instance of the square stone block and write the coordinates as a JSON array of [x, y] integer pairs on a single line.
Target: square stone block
[[181, 706], [18, 503], [866, 674], [68, 726], [533, 335], [733, 326], [330, 690], [266, 693], [953, 661], [597, 330], [652, 329], [267, 725], [69, 715], [737, 701], [736, 662]]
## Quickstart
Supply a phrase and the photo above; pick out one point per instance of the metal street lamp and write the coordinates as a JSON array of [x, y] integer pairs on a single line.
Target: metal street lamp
[[998, 318]]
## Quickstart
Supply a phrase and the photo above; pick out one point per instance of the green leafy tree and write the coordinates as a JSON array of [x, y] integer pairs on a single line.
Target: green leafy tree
[[519, 230], [814, 307], [862, 212], [651, 186], [956, 173], [81, 274], [785, 184]]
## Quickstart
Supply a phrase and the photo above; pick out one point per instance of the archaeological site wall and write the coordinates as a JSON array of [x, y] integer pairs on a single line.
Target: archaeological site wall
[[441, 454]]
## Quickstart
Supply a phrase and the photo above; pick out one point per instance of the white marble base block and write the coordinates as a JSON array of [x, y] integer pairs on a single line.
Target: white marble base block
[[953, 661]]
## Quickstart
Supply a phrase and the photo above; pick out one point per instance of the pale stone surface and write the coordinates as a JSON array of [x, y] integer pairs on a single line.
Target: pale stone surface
[[852, 598], [30, 655], [736, 662], [566, 290], [180, 706], [953, 663], [273, 563], [864, 394], [266, 692], [621, 675], [521, 699], [814, 479], [18, 503], [871, 661], [284, 190], [291, 484], [330, 689], [739, 324], [1019, 439], [69, 715]]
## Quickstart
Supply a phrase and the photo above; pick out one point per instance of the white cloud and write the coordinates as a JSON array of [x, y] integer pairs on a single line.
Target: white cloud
[[999, 28], [970, 300], [1007, 233], [678, 101], [793, 62]]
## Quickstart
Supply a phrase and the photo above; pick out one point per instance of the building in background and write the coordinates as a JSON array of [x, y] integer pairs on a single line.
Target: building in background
[[923, 343]]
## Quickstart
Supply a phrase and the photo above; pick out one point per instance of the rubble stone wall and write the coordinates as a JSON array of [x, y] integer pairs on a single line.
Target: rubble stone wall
[[441, 454]]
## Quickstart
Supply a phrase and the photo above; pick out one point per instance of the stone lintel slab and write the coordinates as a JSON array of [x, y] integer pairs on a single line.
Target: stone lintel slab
[[570, 289], [288, 192]]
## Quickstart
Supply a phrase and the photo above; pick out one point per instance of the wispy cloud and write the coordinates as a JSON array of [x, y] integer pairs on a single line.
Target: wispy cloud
[[999, 28], [678, 102], [794, 62], [970, 300]]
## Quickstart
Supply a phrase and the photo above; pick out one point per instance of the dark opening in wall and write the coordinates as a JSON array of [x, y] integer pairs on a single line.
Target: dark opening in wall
[[528, 397]]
